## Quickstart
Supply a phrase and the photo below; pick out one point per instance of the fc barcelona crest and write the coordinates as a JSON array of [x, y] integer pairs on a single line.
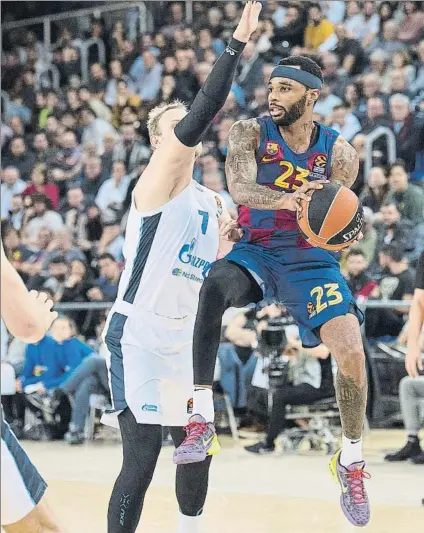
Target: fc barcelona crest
[[272, 152], [271, 148]]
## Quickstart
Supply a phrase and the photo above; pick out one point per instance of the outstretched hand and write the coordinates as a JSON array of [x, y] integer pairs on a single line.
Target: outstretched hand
[[248, 22]]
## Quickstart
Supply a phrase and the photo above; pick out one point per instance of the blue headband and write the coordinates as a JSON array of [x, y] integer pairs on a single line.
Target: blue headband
[[305, 78]]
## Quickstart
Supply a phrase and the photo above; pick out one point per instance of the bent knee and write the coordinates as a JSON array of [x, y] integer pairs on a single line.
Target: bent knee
[[351, 357], [221, 277], [406, 385]]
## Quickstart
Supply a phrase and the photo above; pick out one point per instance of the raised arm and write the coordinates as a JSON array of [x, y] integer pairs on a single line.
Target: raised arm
[[344, 163], [27, 315], [241, 171], [172, 162]]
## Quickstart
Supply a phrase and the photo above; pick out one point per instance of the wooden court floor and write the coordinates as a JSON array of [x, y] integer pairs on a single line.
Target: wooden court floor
[[247, 494]]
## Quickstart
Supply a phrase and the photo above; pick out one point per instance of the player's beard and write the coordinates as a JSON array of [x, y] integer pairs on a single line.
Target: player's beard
[[293, 114]]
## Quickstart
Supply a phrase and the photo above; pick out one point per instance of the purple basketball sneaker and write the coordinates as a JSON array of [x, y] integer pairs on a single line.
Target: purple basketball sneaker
[[201, 441], [354, 499]]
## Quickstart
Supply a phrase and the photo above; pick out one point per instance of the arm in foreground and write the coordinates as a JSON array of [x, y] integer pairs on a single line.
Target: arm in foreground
[[26, 315], [344, 163], [241, 169]]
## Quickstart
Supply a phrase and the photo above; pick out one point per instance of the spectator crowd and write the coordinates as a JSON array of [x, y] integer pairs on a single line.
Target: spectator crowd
[[74, 137]]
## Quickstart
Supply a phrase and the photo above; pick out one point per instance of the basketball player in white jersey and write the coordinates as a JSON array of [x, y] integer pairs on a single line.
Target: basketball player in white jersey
[[172, 237], [28, 316]]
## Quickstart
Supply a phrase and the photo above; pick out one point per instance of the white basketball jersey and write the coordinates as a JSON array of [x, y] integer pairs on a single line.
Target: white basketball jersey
[[168, 252]]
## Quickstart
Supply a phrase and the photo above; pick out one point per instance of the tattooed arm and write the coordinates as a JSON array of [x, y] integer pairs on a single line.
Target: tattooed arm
[[344, 163], [241, 169]]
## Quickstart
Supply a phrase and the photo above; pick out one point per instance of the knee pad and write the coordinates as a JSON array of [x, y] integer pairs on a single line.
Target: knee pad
[[225, 275], [217, 278]]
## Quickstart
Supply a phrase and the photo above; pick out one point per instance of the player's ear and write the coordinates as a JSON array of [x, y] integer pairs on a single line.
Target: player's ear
[[313, 96], [155, 141]]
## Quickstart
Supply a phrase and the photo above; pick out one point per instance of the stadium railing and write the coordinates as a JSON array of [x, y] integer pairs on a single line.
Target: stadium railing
[[84, 47], [369, 142], [98, 306]]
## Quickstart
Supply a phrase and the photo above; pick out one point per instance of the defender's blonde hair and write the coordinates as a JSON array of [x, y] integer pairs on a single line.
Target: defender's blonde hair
[[157, 112]]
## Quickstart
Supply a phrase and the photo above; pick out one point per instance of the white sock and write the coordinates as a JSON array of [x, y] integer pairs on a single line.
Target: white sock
[[203, 403], [189, 524], [351, 451]]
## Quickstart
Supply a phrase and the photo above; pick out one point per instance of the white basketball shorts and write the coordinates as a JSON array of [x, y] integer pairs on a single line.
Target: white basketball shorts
[[22, 487], [150, 366]]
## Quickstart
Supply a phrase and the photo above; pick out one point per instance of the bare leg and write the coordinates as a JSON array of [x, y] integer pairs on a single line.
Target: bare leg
[[39, 520], [342, 337]]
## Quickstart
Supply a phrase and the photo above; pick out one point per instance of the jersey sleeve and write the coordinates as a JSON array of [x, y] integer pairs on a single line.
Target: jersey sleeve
[[419, 280]]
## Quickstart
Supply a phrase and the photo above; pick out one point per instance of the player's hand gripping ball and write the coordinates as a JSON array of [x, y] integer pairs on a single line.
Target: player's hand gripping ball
[[332, 219]]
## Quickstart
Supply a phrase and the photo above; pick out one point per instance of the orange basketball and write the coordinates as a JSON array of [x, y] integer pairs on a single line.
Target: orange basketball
[[332, 219]]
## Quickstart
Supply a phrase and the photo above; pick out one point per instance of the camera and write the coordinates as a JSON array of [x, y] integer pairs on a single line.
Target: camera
[[273, 337], [272, 342]]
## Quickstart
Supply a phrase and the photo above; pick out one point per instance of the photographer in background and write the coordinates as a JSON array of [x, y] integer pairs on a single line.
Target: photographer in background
[[295, 375]]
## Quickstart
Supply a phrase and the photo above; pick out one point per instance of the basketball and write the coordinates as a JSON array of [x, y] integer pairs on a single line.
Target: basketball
[[332, 219]]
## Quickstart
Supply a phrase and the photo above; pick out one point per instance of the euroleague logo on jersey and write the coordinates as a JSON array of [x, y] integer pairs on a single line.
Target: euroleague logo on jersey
[[317, 163]]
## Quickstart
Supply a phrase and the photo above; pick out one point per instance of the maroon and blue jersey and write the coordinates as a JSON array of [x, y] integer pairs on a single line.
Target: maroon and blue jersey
[[281, 169], [306, 280]]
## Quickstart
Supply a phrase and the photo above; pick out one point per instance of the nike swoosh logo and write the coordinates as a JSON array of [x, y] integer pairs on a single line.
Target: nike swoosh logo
[[206, 442], [343, 485]]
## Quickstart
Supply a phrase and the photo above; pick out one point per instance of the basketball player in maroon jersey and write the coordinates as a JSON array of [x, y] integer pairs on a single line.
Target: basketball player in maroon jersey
[[272, 162]]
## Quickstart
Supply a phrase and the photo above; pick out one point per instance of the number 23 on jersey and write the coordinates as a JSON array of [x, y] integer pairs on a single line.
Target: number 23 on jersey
[[291, 178]]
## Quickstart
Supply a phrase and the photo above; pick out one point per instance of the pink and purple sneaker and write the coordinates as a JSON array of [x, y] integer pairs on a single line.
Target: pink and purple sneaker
[[354, 499], [201, 441]]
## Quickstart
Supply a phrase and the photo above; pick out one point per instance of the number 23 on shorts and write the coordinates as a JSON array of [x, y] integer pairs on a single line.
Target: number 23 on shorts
[[329, 292]]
